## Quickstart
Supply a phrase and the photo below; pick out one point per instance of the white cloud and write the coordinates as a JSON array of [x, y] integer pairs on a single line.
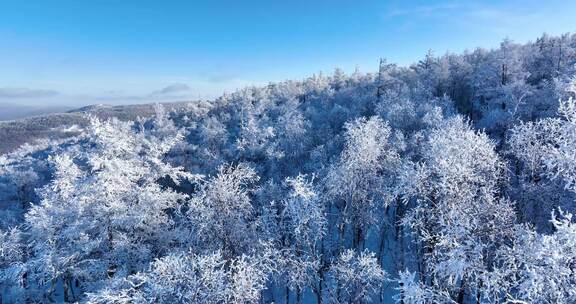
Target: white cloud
[[177, 88]]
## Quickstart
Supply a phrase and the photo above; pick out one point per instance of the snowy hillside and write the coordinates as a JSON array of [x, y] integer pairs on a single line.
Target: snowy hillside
[[452, 180], [29, 130], [12, 111]]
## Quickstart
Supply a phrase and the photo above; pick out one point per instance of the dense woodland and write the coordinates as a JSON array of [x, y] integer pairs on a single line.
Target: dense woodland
[[452, 180]]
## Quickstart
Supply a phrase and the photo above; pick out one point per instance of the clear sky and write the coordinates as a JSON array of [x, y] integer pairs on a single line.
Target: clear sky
[[128, 51]]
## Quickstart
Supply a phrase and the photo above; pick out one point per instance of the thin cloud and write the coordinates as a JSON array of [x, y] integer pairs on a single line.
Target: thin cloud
[[177, 88], [503, 19], [177, 91], [26, 93], [423, 10], [218, 78], [174, 91]]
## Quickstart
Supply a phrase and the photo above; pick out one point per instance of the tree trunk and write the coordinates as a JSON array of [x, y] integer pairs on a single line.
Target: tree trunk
[[462, 291], [298, 295], [320, 282], [382, 239], [319, 293], [399, 214], [357, 238], [479, 293], [341, 235], [401, 293]]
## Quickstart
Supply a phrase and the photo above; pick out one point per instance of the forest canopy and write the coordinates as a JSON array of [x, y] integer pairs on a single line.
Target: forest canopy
[[452, 180]]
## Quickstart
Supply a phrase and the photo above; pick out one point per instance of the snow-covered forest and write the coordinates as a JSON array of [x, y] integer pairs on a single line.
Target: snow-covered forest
[[452, 180]]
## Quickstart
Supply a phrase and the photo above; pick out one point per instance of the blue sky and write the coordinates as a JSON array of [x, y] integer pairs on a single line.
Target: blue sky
[[111, 51]]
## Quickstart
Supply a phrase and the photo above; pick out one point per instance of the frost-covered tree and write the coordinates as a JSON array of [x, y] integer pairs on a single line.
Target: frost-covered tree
[[304, 213], [13, 270], [304, 221], [105, 213], [222, 214], [357, 277], [540, 267], [459, 219], [562, 152], [546, 167], [356, 180], [537, 268], [412, 291], [191, 278]]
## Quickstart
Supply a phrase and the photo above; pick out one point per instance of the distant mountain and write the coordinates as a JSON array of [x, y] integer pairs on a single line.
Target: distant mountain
[[13, 111], [28, 125]]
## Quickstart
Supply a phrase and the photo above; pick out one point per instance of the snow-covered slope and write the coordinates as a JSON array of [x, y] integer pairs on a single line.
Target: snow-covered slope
[[37, 126]]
